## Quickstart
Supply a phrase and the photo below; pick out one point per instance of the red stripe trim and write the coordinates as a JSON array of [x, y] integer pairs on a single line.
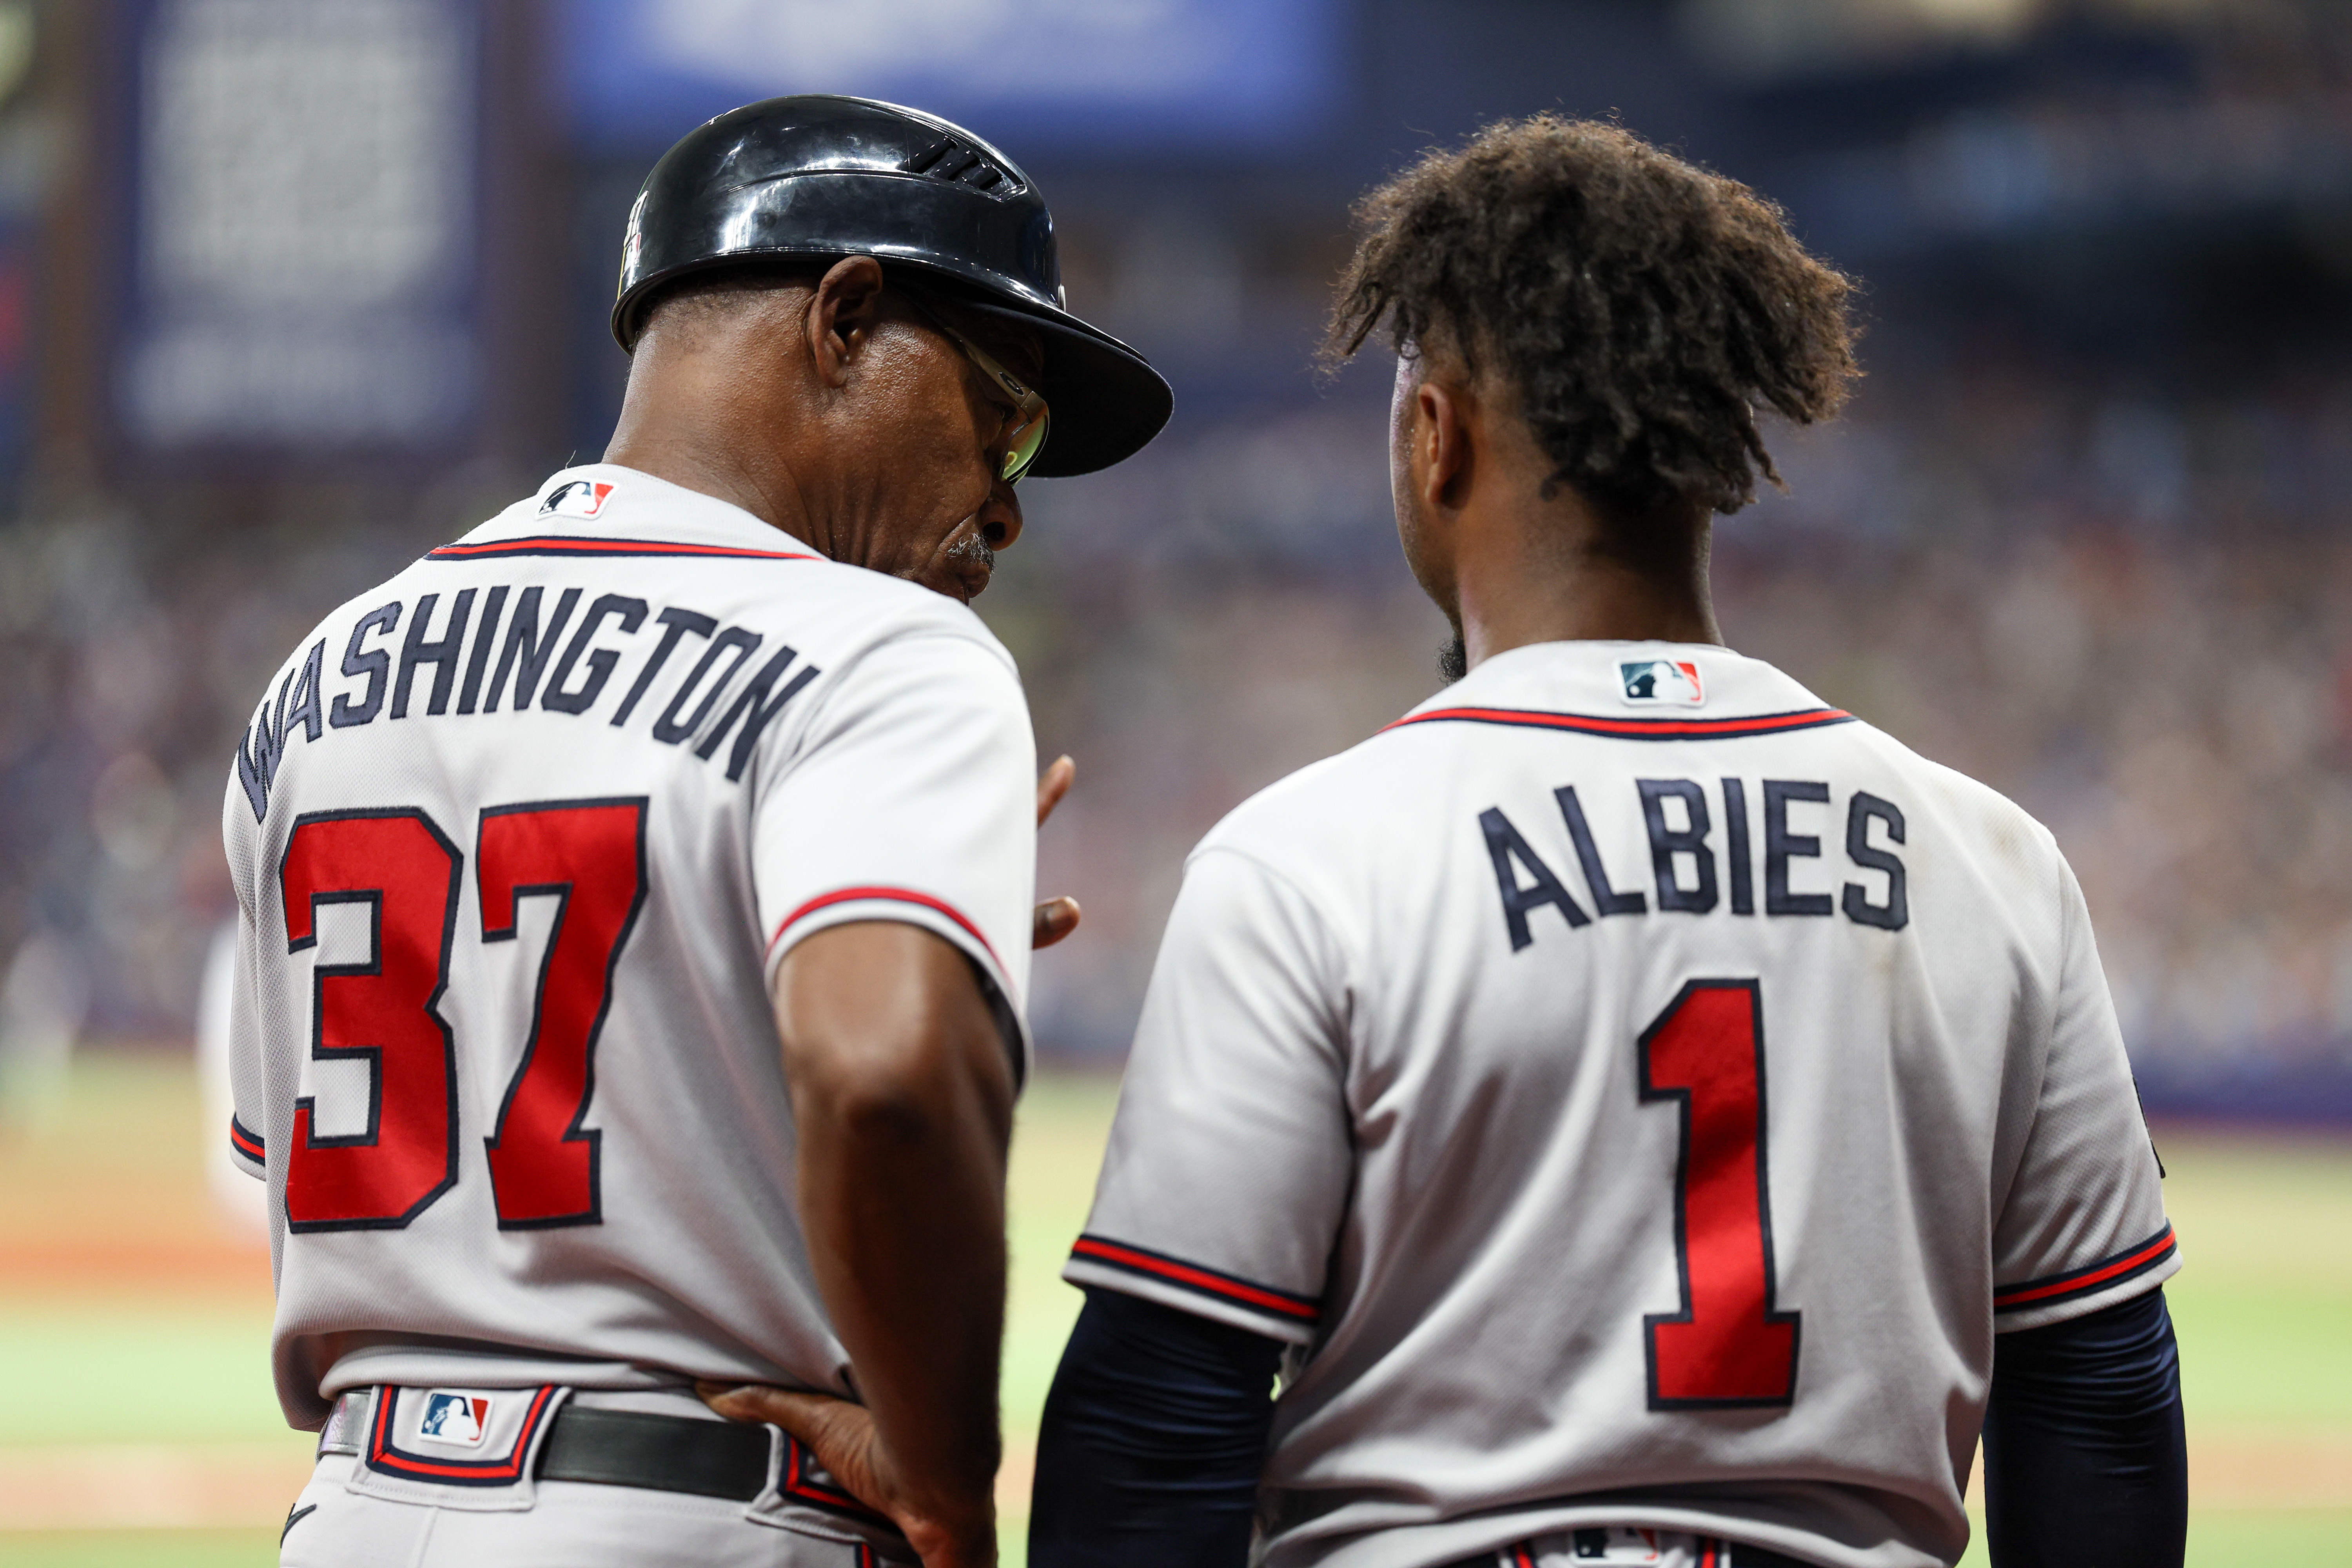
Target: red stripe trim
[[834, 1498], [382, 1455], [1630, 729], [2090, 1278], [572, 544], [1522, 1558], [1200, 1280], [895, 895], [245, 1144]]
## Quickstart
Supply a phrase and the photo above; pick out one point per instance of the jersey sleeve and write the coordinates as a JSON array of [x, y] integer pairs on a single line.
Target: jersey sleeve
[[239, 1020], [1230, 1159], [912, 796], [2082, 1226]]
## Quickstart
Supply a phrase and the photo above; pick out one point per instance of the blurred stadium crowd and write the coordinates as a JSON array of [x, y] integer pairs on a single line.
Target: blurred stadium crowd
[[2091, 542]]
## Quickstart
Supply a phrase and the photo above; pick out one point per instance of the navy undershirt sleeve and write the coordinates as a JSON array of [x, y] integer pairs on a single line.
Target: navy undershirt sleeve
[[2086, 1462], [1153, 1436]]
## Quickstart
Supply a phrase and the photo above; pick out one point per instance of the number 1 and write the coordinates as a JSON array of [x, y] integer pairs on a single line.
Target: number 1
[[1727, 1347]]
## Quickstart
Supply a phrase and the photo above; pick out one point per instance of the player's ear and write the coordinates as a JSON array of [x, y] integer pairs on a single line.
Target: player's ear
[[841, 316], [1441, 412]]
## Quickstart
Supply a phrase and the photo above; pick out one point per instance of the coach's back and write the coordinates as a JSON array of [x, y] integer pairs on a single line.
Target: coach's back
[[520, 839], [1639, 1091]]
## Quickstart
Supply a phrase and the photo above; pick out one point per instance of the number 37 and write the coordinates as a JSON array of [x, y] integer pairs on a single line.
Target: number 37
[[384, 1009]]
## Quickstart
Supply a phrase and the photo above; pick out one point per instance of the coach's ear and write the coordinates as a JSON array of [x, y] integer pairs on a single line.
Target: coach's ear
[[841, 316]]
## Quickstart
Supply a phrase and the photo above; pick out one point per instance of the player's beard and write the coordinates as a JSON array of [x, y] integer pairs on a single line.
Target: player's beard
[[1453, 659]]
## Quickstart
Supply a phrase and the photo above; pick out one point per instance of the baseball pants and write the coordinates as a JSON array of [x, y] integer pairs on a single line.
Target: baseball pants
[[549, 1478]]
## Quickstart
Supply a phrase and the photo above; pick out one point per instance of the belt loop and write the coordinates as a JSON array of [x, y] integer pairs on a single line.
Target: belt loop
[[763, 1509]]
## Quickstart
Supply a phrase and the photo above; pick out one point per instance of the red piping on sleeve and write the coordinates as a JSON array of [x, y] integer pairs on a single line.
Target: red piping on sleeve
[[2089, 1279], [1207, 1282], [895, 895]]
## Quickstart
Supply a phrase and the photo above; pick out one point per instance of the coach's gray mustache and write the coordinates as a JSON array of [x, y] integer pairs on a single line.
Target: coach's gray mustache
[[972, 551]]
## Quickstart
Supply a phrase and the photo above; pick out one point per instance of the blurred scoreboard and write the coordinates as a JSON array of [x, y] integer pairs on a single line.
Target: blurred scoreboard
[[301, 189], [1105, 75]]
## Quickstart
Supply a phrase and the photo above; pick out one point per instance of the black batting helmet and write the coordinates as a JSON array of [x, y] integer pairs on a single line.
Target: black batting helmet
[[815, 178]]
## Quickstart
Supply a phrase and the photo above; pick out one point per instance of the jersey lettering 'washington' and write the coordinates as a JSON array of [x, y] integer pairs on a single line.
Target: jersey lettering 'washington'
[[509, 659]]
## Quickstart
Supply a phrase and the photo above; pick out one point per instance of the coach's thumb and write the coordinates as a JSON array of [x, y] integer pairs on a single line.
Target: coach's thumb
[[822, 1422], [759, 1402]]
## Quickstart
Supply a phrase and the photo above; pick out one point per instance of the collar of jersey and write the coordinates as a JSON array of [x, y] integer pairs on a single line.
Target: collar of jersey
[[640, 507], [1582, 678]]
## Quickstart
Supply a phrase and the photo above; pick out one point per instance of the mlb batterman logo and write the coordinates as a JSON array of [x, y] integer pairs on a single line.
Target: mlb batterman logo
[[578, 498], [454, 1418], [1661, 680]]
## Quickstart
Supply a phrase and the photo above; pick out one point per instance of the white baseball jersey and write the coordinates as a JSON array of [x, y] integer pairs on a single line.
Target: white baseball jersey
[[1641, 1092], [518, 839]]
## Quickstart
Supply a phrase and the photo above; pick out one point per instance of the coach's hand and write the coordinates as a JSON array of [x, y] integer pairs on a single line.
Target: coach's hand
[[842, 1436], [1055, 917]]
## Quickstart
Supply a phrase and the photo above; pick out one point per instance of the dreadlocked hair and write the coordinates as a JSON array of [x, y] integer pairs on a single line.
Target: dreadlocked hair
[[1642, 308]]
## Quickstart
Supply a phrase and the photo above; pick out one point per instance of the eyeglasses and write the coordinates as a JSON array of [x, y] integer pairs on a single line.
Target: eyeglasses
[[1028, 437]]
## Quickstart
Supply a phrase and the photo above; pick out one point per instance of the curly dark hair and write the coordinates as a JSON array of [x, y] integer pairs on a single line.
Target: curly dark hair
[[1641, 307]]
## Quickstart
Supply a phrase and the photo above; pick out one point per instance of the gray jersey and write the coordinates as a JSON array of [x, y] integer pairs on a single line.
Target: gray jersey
[[1641, 1093], [518, 839]]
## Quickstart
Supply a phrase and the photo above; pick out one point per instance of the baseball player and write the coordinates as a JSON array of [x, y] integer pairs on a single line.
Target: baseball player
[[635, 900], [1643, 1113]]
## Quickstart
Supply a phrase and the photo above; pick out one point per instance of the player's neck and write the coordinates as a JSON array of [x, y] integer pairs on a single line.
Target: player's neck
[[1559, 572]]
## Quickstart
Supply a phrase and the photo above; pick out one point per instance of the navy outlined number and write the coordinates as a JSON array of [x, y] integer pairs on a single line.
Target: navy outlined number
[[1728, 1346], [589, 855], [384, 1009]]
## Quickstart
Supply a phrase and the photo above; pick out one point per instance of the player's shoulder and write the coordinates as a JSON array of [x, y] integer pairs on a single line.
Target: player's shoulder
[[1602, 708]]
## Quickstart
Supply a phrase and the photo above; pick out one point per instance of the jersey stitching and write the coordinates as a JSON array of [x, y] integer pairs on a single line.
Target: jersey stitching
[[582, 544], [2108, 1270], [1630, 729], [1194, 1276], [843, 686], [895, 895], [1326, 927]]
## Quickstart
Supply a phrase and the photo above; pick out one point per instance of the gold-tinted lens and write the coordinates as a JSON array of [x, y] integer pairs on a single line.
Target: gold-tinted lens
[[1027, 442]]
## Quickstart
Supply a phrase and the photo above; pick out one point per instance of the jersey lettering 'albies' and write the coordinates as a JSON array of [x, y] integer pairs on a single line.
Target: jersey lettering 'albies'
[[1641, 1092], [517, 838]]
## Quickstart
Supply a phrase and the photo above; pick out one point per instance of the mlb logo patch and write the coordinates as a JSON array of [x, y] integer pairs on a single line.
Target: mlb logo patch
[[458, 1418], [579, 497], [1615, 1544], [1647, 681]]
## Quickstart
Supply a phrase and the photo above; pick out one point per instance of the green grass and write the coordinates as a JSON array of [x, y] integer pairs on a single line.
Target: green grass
[[194, 1373], [2264, 1307], [139, 1548]]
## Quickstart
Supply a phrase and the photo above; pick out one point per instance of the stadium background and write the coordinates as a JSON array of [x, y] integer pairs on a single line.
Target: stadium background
[[293, 289]]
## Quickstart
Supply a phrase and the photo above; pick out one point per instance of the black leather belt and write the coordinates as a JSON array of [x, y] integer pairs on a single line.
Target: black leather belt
[[665, 1453], [617, 1449]]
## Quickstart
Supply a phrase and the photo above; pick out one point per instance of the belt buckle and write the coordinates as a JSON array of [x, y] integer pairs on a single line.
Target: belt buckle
[[346, 1423]]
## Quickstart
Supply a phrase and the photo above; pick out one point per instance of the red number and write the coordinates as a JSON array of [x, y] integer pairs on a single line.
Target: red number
[[381, 1010], [1726, 1346], [590, 856]]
